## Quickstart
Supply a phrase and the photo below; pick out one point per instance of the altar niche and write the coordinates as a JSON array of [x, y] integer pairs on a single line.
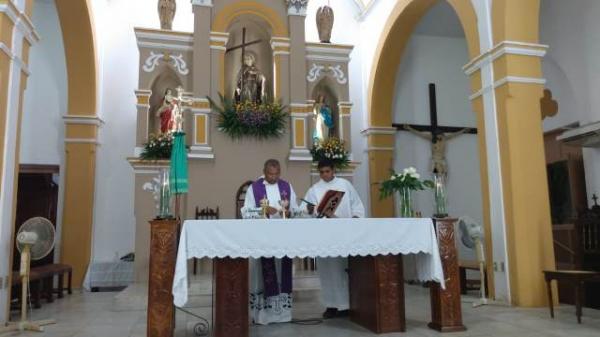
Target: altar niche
[[324, 94], [248, 36]]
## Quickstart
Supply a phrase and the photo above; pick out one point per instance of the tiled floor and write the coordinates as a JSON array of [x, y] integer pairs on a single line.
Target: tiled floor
[[120, 315]]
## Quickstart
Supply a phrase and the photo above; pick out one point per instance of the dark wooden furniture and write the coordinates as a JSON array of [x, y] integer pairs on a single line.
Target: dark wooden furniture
[[163, 253], [205, 214], [446, 310], [463, 266], [379, 305], [41, 281], [377, 293], [240, 197], [576, 278], [37, 195]]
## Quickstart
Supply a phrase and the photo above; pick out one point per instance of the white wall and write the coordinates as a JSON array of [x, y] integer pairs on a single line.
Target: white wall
[[114, 222], [439, 60], [42, 134], [572, 69], [45, 101]]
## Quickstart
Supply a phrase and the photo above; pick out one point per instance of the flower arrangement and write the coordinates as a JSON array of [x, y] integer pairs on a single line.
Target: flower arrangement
[[408, 179], [158, 147], [240, 119], [405, 183], [332, 149]]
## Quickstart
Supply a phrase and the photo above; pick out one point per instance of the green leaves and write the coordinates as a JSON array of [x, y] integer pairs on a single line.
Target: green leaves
[[249, 119], [158, 147], [409, 179]]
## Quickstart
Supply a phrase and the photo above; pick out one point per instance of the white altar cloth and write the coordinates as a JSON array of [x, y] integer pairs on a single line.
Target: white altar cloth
[[307, 238]]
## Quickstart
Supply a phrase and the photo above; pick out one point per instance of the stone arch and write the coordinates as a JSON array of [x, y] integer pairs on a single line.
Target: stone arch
[[226, 16], [396, 34]]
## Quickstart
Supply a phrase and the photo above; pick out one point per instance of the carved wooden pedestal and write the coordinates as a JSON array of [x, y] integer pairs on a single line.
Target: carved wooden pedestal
[[163, 253], [231, 298], [377, 293], [446, 312]]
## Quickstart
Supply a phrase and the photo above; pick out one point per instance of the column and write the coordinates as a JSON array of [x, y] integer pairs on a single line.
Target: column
[[143, 120], [200, 148], [511, 82], [17, 35], [202, 42], [81, 141], [344, 126], [281, 66], [218, 41], [301, 138], [380, 149], [297, 48]]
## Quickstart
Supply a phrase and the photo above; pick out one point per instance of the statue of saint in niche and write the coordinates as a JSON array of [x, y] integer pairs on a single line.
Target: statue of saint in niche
[[323, 120], [251, 83], [165, 112]]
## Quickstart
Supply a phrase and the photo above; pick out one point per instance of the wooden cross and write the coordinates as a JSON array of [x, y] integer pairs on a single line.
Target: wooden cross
[[243, 46], [434, 128]]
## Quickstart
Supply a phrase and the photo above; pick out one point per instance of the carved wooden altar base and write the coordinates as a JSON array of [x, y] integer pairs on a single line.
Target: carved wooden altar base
[[376, 289]]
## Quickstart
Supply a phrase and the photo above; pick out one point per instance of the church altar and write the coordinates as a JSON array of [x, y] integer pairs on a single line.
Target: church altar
[[256, 238], [375, 267]]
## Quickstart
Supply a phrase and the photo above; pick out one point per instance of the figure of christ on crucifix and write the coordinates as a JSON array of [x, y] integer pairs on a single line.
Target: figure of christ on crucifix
[[177, 110], [251, 83], [438, 135]]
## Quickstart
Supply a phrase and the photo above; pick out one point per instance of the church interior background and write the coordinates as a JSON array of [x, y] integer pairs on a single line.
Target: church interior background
[[82, 83]]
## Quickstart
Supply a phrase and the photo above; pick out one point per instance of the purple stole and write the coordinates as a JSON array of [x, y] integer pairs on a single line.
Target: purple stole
[[269, 271]]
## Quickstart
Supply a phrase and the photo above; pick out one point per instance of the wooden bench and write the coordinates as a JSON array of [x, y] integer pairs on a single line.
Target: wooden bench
[[41, 280], [575, 277], [462, 268]]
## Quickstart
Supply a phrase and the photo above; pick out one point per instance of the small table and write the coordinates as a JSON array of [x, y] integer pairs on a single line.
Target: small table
[[577, 278]]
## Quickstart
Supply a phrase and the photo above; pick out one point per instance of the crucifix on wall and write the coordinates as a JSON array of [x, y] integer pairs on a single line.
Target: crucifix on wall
[[438, 135]]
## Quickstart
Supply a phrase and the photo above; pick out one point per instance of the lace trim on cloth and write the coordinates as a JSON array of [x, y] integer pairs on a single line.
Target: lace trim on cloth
[[274, 309], [330, 251]]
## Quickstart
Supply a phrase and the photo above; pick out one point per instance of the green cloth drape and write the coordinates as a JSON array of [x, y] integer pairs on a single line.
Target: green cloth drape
[[178, 178]]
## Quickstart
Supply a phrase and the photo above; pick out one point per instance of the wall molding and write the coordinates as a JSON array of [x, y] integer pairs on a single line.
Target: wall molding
[[505, 48], [82, 141], [83, 120], [507, 80], [378, 130]]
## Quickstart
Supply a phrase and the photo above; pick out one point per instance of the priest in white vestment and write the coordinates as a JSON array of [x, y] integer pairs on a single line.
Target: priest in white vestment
[[270, 279], [332, 271]]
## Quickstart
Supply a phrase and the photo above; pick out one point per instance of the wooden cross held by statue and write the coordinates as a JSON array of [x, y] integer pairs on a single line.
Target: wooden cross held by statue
[[243, 46], [438, 135]]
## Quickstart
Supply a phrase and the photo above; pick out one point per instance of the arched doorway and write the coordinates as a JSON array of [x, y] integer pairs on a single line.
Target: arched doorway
[[405, 16]]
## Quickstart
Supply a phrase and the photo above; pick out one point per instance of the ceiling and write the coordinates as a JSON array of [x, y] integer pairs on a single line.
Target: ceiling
[[441, 20]]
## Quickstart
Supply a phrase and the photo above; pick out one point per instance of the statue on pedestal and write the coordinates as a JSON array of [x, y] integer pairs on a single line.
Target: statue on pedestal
[[251, 83], [166, 13], [325, 23], [323, 120]]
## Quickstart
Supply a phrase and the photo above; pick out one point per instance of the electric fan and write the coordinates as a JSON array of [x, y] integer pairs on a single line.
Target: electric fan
[[34, 241], [471, 236]]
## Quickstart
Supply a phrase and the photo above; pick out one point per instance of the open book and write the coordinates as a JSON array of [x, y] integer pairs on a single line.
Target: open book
[[330, 202]]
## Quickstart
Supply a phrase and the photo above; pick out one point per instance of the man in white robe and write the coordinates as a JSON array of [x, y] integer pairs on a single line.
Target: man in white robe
[[270, 279], [332, 271]]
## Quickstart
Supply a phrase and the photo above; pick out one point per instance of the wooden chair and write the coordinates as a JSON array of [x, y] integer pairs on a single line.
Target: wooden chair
[[205, 214], [240, 197], [579, 256]]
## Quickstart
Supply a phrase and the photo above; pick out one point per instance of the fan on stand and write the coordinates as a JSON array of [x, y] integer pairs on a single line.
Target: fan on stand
[[471, 235], [35, 240]]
